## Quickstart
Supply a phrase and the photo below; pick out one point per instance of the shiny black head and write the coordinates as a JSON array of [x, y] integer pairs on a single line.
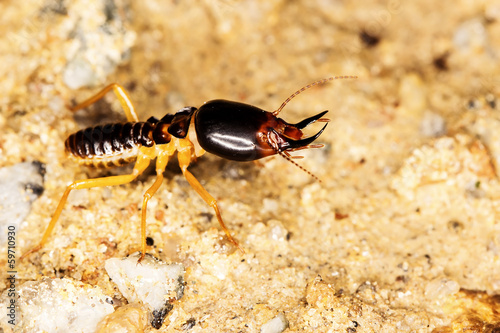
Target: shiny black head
[[242, 132]]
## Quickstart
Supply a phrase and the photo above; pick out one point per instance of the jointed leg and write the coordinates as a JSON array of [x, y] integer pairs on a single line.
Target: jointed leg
[[184, 159], [140, 166], [122, 96], [161, 163]]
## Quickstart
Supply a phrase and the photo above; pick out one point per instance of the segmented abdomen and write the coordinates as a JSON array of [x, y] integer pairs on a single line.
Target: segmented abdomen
[[110, 145]]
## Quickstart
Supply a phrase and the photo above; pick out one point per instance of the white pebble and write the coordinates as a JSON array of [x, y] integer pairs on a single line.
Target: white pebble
[[57, 306], [432, 125], [20, 185], [441, 287], [151, 282], [470, 35], [278, 231], [79, 73], [276, 325]]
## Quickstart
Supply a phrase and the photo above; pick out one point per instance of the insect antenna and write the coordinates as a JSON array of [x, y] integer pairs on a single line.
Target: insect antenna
[[288, 157], [275, 113]]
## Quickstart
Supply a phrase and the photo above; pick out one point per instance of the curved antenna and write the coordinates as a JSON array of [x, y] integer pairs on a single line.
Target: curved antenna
[[289, 159], [275, 113]]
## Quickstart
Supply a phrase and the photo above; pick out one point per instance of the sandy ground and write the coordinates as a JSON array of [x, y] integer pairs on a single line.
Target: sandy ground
[[401, 234]]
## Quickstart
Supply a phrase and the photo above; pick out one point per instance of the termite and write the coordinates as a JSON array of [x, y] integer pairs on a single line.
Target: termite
[[231, 130]]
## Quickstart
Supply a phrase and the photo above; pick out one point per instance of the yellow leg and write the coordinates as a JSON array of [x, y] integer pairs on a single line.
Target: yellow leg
[[122, 96], [140, 166], [161, 163], [184, 157]]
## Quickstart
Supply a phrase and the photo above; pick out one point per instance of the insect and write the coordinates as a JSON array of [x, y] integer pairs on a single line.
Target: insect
[[231, 130]]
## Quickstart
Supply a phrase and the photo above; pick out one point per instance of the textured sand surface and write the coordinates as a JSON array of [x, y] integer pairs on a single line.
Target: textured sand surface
[[401, 235]]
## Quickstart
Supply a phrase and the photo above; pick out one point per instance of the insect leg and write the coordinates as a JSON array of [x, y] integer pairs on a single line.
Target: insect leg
[[122, 96], [184, 158], [140, 166], [161, 163]]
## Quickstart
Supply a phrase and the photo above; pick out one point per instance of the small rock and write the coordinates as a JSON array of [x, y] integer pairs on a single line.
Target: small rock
[[276, 325], [79, 73], [471, 35], [159, 315], [432, 125], [440, 288], [20, 185], [277, 231], [57, 305], [100, 42], [152, 282], [128, 318]]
